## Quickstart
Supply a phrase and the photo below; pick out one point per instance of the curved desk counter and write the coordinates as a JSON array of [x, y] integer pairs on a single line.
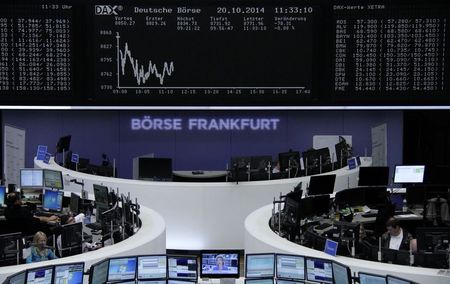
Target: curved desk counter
[[150, 239], [260, 238], [201, 215]]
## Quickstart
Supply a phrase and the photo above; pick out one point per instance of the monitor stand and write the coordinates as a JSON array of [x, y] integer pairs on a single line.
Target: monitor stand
[[227, 281]]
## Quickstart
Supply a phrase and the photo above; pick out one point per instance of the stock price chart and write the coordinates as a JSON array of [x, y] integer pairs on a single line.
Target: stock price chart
[[214, 49]]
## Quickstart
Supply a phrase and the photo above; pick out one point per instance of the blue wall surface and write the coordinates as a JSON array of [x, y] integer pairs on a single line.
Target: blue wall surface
[[110, 132]]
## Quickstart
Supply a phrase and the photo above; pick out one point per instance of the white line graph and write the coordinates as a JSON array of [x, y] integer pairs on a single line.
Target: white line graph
[[141, 72]]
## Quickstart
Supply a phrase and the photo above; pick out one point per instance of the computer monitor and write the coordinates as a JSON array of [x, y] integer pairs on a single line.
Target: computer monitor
[[240, 162], [122, 268], [290, 267], [17, 278], [31, 178], [71, 273], [322, 184], [71, 239], [260, 265], [351, 197], [162, 281], [52, 200], [317, 161], [40, 275], [98, 273], [342, 153], [397, 280], [101, 195], [219, 264], [319, 270], [375, 196], [286, 159], [369, 176], [31, 195], [314, 206], [63, 144], [259, 281], [155, 169], [367, 278], [75, 201], [285, 281], [260, 163], [2, 195], [151, 267], [341, 273], [53, 179], [182, 267], [433, 239], [409, 174], [172, 281]]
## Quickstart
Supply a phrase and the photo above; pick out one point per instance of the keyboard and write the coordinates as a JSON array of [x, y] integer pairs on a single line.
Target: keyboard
[[48, 214], [94, 226]]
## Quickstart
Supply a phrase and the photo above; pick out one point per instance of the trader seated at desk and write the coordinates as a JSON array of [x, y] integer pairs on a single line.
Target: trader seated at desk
[[19, 218], [397, 238]]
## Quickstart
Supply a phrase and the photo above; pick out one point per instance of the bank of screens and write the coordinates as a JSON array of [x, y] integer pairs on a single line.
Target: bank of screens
[[182, 267], [259, 281], [31, 178], [260, 265], [123, 268], [219, 264], [152, 267], [366, 278], [2, 195], [290, 267], [171, 281], [52, 200], [395, 280], [41, 275], [71, 273], [99, 272], [319, 270], [159, 282], [341, 274], [53, 179], [409, 174], [373, 176], [18, 278]]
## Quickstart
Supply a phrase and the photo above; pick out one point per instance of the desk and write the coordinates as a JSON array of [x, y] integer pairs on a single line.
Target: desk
[[260, 238], [202, 215], [203, 176], [150, 239]]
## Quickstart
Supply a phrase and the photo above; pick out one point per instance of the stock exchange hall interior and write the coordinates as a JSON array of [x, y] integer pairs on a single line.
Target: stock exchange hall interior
[[225, 142]]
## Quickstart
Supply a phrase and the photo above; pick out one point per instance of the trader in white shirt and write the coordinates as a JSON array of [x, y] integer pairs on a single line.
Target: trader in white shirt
[[397, 238]]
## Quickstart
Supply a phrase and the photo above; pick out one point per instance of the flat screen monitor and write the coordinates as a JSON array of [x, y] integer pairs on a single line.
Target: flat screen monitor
[[396, 280], [219, 264], [17, 278], [71, 273], [159, 282], [71, 238], [409, 174], [158, 169], [314, 206], [317, 161], [182, 267], [342, 153], [290, 267], [53, 179], [433, 239], [341, 273], [52, 200], [323, 184], [2, 195], [319, 270], [260, 163], [32, 195], [152, 267], [240, 162], [40, 275], [98, 273], [101, 195], [122, 268], [259, 265], [172, 281], [284, 281], [286, 159], [63, 144], [351, 197], [259, 281], [31, 178], [366, 278], [75, 201], [375, 196], [369, 176]]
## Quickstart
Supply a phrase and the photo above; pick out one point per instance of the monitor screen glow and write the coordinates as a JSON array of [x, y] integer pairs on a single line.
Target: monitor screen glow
[[18, 278], [290, 267], [395, 280], [152, 267], [69, 273], [123, 268], [220, 264], [182, 267], [2, 195], [341, 274], [259, 281], [99, 272], [319, 270], [53, 179], [52, 200], [365, 278], [31, 178], [409, 174], [260, 265], [41, 275]]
